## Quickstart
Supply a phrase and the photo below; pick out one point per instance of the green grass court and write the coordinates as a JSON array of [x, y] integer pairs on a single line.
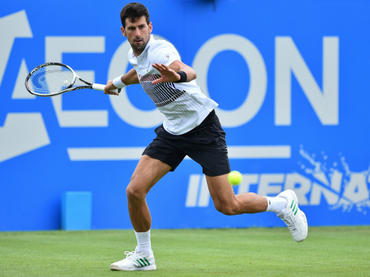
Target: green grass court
[[328, 251]]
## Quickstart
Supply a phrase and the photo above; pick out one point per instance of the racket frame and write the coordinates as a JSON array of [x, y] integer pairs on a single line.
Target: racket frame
[[67, 89]]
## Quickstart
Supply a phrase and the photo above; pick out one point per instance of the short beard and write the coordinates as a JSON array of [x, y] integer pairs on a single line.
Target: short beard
[[138, 50]]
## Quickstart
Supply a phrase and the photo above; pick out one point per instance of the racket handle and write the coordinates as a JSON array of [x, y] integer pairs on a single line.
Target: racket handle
[[101, 87], [98, 86]]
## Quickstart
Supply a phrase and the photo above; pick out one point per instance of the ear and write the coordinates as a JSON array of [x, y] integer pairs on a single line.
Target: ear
[[123, 31], [150, 27]]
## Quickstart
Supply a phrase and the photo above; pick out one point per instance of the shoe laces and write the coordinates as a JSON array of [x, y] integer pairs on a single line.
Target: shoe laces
[[288, 219], [288, 216], [130, 255]]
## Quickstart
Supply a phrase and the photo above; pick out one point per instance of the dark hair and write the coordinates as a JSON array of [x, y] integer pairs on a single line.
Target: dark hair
[[132, 11]]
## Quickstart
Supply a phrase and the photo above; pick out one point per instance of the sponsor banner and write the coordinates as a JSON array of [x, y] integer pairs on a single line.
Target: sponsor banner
[[291, 80]]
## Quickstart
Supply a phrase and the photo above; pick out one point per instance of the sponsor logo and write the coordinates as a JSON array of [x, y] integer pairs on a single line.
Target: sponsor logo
[[317, 180], [342, 188], [289, 62]]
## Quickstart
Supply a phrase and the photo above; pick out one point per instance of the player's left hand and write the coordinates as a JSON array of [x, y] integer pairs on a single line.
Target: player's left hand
[[167, 74]]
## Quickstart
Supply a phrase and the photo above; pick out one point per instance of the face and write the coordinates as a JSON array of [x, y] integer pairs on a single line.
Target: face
[[137, 33]]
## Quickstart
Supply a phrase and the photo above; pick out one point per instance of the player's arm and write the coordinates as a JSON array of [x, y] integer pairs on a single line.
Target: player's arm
[[122, 81], [177, 71]]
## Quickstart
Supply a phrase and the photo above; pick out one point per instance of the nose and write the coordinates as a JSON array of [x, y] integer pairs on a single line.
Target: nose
[[137, 32]]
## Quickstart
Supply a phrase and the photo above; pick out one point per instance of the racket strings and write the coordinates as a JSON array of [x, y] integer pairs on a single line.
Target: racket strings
[[51, 79]]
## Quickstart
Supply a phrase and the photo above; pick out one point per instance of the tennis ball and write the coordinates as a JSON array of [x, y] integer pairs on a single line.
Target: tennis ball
[[235, 177]]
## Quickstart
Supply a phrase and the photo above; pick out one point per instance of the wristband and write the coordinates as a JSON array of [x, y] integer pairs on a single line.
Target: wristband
[[183, 77], [117, 82]]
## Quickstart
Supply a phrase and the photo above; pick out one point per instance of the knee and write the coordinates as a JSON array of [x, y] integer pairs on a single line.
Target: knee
[[134, 192], [226, 208]]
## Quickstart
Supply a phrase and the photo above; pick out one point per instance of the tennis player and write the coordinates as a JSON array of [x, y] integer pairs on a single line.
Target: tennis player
[[190, 127]]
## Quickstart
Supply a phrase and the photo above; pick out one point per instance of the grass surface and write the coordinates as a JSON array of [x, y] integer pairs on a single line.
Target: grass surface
[[328, 251]]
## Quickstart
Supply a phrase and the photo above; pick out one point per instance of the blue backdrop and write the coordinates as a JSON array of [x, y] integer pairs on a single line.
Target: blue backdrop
[[291, 79]]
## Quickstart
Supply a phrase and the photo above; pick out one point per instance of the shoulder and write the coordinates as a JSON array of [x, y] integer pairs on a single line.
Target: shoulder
[[158, 42], [160, 46], [131, 58]]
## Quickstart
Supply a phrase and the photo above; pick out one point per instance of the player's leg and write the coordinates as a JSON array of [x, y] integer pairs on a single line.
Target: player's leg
[[148, 171], [228, 203], [285, 205], [207, 146], [158, 158]]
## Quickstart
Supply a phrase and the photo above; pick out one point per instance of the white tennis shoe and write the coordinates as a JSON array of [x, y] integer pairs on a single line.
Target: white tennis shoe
[[294, 218], [135, 261]]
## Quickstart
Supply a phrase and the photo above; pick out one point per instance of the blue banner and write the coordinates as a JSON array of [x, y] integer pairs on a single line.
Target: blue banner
[[291, 79]]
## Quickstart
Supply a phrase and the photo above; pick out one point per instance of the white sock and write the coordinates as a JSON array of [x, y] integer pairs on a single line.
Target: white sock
[[276, 204], [143, 242]]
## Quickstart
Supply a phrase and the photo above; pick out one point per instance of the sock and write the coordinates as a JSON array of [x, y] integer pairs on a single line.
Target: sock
[[143, 242], [276, 204]]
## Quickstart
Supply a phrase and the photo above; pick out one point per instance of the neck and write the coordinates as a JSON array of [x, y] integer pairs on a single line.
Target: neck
[[137, 53]]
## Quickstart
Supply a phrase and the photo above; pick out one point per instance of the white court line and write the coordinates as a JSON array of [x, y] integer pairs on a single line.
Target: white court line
[[134, 153]]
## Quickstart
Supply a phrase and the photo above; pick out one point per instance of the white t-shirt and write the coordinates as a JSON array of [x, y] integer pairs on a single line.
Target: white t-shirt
[[183, 105]]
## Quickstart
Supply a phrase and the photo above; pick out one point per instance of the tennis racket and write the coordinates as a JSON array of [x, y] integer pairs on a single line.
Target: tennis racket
[[55, 78]]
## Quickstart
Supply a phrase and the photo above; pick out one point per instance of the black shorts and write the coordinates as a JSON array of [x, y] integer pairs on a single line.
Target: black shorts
[[205, 144]]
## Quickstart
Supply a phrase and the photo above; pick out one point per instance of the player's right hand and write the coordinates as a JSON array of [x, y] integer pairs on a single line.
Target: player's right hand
[[109, 87]]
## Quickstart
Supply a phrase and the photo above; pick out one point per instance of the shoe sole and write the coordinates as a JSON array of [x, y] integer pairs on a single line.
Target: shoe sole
[[306, 231], [150, 267]]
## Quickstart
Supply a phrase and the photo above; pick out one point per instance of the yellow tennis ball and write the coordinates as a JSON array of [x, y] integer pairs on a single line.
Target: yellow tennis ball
[[235, 177]]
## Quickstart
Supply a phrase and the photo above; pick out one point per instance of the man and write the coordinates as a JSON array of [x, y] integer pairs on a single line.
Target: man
[[191, 128]]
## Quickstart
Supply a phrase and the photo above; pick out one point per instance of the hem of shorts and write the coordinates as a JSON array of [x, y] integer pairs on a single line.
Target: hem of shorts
[[159, 159], [215, 175]]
